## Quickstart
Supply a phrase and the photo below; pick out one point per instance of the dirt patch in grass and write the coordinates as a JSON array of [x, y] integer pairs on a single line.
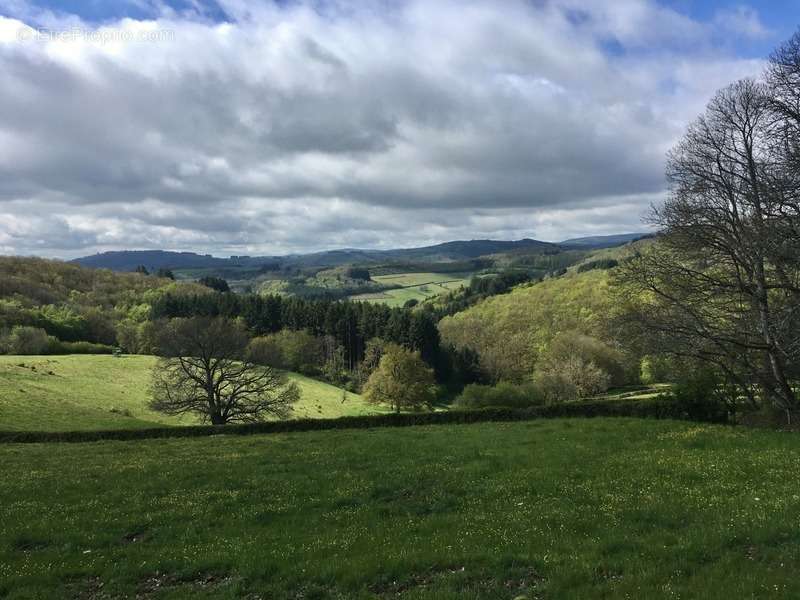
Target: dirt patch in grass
[[29, 544], [524, 583], [90, 588], [135, 537], [158, 582]]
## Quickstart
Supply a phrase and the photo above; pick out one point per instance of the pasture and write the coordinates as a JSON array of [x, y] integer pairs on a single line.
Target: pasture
[[611, 508], [80, 392], [414, 286]]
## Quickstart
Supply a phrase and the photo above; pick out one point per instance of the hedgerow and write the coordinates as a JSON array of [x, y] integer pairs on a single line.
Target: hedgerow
[[658, 408]]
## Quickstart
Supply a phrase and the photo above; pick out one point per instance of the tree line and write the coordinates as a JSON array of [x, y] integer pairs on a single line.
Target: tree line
[[350, 324]]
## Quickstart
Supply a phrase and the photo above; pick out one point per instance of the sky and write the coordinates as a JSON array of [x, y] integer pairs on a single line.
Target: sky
[[270, 127]]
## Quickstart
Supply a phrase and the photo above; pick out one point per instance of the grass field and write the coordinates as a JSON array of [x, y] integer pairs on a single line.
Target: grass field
[[600, 508], [52, 393], [415, 286]]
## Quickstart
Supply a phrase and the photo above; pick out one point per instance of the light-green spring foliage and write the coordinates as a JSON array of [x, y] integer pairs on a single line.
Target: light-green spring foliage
[[402, 380], [510, 332]]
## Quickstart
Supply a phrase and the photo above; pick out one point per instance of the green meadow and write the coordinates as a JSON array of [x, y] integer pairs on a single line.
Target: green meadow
[[83, 392], [596, 508], [414, 286]]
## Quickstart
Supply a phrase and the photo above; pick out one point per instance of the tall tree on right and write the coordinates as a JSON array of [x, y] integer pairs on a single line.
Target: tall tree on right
[[723, 282]]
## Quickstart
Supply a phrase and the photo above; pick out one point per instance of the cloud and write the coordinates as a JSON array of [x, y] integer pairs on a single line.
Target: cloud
[[300, 127], [742, 20]]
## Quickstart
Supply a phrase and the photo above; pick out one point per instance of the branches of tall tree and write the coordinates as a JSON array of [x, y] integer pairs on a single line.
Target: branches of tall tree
[[723, 282], [783, 81], [204, 371]]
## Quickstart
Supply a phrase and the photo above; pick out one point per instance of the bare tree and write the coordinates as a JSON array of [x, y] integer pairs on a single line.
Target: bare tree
[[204, 370], [783, 80], [720, 285]]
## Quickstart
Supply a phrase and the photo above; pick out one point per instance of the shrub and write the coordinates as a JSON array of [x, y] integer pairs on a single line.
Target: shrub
[[265, 350], [503, 394], [701, 396], [294, 350], [56, 346], [602, 263], [27, 340], [578, 366], [655, 369], [127, 335], [571, 379], [357, 273], [591, 350], [215, 283]]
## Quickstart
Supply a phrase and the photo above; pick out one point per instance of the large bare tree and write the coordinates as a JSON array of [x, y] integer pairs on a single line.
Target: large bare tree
[[204, 370], [720, 285]]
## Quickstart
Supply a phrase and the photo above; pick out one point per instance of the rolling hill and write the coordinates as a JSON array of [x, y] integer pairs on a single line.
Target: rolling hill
[[509, 330], [446, 252], [597, 242], [128, 260], [80, 392]]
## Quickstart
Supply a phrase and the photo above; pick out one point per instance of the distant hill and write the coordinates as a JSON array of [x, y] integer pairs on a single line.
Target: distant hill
[[449, 251], [472, 249], [128, 260], [603, 241]]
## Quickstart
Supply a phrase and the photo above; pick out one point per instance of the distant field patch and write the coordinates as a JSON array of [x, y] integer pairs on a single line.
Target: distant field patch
[[414, 286], [413, 279], [82, 392]]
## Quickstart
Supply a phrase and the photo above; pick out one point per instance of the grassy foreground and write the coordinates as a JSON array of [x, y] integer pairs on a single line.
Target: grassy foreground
[[614, 508], [83, 392]]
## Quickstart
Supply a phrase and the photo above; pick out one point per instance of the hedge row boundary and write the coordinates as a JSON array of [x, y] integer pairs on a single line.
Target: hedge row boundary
[[657, 408]]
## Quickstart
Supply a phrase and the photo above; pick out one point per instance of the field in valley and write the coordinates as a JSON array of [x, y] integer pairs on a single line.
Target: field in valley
[[415, 286], [76, 392], [612, 508]]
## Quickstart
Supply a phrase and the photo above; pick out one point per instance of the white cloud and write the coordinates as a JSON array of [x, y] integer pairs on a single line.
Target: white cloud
[[742, 20], [290, 129]]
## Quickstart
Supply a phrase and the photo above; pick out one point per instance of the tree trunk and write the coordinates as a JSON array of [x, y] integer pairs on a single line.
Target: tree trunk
[[785, 396]]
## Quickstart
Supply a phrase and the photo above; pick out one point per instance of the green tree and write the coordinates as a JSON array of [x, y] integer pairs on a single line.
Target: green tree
[[402, 380], [215, 283], [572, 344], [571, 379], [372, 358], [165, 273], [27, 340], [288, 349]]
